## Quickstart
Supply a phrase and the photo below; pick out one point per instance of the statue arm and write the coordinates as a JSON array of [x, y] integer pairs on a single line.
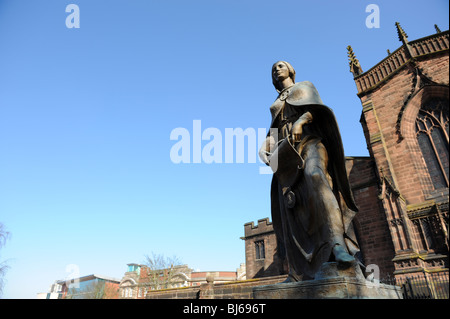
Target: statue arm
[[297, 128]]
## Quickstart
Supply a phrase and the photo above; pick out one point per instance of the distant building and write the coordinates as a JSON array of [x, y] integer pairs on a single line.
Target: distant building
[[86, 287], [135, 282], [261, 258], [402, 188], [55, 292]]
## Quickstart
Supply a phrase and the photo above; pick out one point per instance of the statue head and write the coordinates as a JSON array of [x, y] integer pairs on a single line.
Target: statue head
[[281, 70]]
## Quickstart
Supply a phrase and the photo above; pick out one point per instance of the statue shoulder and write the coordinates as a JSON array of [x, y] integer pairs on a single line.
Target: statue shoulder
[[303, 93], [305, 84]]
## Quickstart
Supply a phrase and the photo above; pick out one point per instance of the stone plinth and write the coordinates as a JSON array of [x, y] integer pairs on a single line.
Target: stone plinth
[[330, 283]]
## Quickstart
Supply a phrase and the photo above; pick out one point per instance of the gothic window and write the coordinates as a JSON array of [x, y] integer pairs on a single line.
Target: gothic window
[[432, 135], [260, 249]]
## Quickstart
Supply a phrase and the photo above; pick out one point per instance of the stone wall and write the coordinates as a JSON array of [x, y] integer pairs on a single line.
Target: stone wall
[[370, 222], [231, 290]]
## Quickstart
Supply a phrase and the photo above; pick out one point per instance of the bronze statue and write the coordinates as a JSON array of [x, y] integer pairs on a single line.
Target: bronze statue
[[312, 203]]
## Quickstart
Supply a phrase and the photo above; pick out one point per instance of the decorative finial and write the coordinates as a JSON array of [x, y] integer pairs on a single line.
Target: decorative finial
[[437, 29], [355, 67], [402, 36]]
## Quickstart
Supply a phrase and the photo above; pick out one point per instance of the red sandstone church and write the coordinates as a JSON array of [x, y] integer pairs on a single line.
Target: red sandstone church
[[401, 189]]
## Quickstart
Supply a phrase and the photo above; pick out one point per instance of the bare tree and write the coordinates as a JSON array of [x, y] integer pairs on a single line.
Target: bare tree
[[160, 271], [4, 235]]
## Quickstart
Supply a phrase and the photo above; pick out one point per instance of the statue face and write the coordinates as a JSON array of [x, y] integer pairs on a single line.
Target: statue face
[[280, 71]]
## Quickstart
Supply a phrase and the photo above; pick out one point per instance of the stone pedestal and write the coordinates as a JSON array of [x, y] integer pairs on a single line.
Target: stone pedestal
[[330, 283]]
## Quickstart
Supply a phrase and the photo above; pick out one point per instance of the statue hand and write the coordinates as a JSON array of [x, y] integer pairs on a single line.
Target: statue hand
[[264, 156], [297, 130]]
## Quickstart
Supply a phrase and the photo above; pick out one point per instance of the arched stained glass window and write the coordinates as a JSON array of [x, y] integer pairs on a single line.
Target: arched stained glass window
[[432, 135]]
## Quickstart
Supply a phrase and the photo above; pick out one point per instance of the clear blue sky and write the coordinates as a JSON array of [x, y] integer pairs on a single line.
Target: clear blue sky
[[86, 115]]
